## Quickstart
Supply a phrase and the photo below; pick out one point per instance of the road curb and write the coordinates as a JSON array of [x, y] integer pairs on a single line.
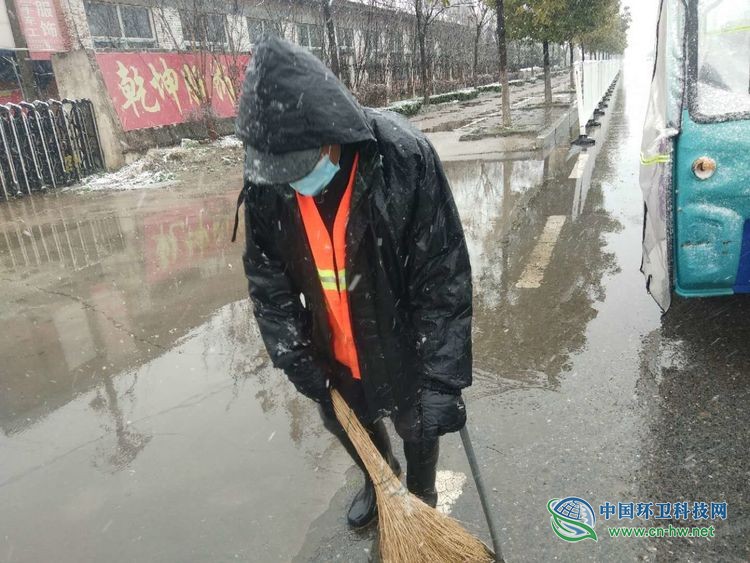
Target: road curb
[[561, 131]]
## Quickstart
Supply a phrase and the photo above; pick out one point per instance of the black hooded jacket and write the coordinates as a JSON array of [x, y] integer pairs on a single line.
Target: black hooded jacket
[[407, 265]]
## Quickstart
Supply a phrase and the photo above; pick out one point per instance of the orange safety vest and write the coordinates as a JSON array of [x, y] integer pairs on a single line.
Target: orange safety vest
[[330, 260]]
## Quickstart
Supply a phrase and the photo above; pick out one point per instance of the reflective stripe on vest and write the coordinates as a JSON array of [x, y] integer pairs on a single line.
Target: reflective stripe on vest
[[330, 261]]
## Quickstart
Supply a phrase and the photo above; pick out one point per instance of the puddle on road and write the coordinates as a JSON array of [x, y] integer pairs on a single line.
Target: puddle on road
[[525, 337], [133, 370], [187, 444], [93, 287], [98, 285]]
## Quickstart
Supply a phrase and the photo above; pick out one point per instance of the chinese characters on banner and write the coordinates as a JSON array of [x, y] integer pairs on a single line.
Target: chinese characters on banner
[[155, 89], [40, 24]]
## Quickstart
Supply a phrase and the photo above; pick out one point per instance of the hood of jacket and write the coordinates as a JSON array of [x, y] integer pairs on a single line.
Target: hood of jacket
[[290, 101]]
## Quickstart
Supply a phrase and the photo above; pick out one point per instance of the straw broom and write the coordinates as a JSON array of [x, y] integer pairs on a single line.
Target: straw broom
[[410, 531]]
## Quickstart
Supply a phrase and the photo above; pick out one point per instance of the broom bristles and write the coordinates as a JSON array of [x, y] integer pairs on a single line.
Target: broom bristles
[[410, 531]]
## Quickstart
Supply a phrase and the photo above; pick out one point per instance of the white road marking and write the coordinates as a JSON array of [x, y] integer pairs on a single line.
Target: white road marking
[[449, 486], [578, 169], [542, 254]]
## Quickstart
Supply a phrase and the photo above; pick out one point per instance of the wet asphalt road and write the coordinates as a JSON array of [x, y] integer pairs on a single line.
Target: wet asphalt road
[[140, 419]]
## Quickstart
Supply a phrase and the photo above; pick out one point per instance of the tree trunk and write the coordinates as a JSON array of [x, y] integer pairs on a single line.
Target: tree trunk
[[424, 71], [477, 36], [422, 39], [333, 47], [209, 120], [547, 74], [502, 49], [572, 62]]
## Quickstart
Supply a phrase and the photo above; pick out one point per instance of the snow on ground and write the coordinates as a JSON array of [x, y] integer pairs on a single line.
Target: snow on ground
[[449, 486], [155, 169], [229, 142], [142, 173]]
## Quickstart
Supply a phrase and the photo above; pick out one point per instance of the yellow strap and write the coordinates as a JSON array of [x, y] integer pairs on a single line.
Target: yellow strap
[[656, 159], [735, 29]]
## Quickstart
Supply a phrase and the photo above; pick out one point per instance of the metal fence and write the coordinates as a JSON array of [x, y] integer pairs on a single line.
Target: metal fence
[[46, 145], [593, 79]]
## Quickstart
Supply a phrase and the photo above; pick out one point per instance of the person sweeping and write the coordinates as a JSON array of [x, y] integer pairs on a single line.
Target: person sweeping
[[356, 261]]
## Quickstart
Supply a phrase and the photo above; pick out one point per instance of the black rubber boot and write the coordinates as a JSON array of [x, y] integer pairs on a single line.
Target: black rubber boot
[[421, 469], [364, 508]]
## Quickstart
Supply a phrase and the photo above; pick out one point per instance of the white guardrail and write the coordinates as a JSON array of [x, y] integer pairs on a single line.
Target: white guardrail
[[593, 79]]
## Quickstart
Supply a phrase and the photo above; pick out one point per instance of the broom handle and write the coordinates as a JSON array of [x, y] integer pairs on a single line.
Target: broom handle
[[491, 523]]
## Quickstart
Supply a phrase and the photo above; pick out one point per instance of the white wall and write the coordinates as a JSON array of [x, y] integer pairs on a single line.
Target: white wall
[[6, 35], [167, 27]]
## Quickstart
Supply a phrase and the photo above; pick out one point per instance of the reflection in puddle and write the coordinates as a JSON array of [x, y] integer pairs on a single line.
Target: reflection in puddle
[[224, 353], [523, 335], [73, 244], [486, 194], [92, 289], [178, 447]]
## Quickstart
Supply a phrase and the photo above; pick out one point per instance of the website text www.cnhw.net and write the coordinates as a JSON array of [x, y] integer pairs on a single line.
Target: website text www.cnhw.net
[[662, 532]]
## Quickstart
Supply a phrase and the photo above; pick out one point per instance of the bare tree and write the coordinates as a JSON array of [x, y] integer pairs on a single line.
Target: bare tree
[[368, 22], [279, 14], [478, 16], [217, 43], [362, 49], [333, 50], [425, 12]]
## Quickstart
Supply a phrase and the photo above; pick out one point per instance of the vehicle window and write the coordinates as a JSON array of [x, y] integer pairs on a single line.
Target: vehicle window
[[723, 57]]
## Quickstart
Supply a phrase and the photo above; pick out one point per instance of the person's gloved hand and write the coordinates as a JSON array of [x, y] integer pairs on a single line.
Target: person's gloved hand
[[351, 390], [318, 388], [442, 412]]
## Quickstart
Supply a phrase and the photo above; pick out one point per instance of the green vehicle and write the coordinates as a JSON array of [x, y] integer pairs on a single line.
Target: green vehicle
[[695, 156]]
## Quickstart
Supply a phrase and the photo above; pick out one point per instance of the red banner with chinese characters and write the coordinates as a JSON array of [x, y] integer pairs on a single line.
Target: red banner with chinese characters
[[154, 89], [40, 23]]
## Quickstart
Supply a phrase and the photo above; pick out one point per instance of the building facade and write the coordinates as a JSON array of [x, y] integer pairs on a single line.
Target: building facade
[[157, 71], [376, 42]]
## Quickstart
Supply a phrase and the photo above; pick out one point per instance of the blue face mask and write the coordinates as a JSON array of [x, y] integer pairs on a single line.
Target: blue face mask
[[316, 181]]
